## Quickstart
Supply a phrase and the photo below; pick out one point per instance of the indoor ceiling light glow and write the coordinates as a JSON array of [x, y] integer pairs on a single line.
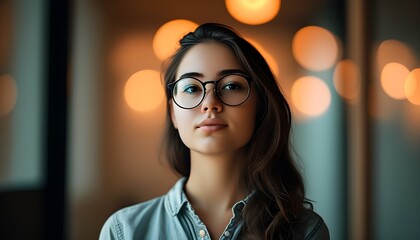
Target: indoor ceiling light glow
[[394, 51], [166, 39], [315, 48], [412, 87], [347, 80], [143, 90], [311, 96], [253, 12], [8, 94], [393, 78]]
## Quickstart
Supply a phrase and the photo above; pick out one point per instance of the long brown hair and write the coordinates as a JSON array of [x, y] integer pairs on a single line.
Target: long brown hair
[[270, 172]]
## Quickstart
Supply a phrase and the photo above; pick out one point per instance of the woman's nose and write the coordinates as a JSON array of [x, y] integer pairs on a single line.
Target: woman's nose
[[211, 102]]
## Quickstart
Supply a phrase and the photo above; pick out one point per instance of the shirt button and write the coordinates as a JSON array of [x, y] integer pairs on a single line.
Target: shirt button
[[202, 233], [227, 233]]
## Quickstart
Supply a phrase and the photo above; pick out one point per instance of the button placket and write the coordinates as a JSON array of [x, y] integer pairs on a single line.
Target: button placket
[[198, 224]]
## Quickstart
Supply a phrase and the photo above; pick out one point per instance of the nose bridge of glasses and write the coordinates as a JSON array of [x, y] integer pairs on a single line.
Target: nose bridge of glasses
[[214, 90], [210, 82]]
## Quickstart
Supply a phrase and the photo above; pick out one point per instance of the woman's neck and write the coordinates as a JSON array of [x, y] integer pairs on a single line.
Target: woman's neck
[[215, 181], [213, 187]]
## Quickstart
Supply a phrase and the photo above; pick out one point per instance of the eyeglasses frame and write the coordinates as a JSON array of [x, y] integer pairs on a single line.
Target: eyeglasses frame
[[171, 87]]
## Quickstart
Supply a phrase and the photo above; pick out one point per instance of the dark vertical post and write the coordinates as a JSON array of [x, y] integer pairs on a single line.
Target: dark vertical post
[[57, 37], [342, 32], [367, 83], [360, 33]]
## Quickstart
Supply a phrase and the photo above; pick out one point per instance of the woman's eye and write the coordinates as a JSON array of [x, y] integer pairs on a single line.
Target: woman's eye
[[191, 89], [232, 86]]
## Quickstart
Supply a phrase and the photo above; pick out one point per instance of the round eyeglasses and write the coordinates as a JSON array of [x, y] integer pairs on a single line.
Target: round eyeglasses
[[231, 90]]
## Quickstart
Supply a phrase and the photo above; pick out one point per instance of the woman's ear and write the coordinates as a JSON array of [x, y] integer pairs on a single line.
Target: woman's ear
[[171, 110]]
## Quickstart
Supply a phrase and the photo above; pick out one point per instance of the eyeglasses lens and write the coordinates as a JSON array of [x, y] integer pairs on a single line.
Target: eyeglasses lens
[[232, 90]]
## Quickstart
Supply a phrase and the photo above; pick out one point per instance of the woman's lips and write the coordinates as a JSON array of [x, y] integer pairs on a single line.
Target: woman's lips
[[212, 128], [210, 125]]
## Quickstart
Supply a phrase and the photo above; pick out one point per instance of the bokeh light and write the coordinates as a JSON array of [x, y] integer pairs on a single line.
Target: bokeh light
[[393, 78], [347, 80], [268, 57], [412, 87], [311, 96], [253, 12], [143, 90], [166, 39], [315, 48], [394, 51], [8, 94]]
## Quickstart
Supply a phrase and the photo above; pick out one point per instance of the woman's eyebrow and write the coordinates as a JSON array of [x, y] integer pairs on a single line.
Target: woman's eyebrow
[[230, 71], [221, 73], [191, 74]]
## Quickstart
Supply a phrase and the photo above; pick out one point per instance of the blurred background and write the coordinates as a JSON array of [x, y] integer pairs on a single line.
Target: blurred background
[[82, 108]]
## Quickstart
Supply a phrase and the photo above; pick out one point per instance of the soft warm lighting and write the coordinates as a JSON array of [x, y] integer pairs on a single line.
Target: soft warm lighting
[[347, 80], [412, 118], [8, 94], [311, 96], [128, 54], [412, 87], [166, 39], [393, 78], [394, 51], [315, 48], [253, 12], [268, 57], [144, 91]]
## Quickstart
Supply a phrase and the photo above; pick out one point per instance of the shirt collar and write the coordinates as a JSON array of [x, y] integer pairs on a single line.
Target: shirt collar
[[175, 199]]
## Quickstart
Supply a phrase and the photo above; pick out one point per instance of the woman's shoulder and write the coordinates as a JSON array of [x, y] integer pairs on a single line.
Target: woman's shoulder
[[311, 226], [158, 205], [140, 220], [141, 210], [130, 220]]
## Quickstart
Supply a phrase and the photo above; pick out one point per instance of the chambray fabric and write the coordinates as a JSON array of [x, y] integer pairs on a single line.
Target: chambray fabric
[[167, 217], [172, 217]]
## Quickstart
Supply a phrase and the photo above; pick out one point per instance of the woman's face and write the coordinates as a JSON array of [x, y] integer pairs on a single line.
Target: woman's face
[[213, 127]]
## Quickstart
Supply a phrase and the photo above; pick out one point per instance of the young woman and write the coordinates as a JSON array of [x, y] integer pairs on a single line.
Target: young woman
[[228, 137]]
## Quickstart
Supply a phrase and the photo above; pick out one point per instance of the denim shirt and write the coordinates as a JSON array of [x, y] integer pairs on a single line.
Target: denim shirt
[[170, 216]]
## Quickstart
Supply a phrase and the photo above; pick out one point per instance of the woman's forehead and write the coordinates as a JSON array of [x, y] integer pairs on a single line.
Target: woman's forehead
[[208, 59]]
